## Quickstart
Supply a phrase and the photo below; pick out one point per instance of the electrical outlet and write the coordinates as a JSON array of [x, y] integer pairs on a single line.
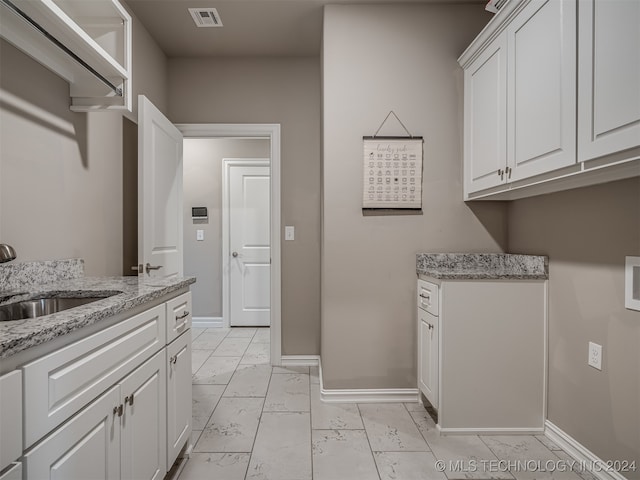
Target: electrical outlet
[[199, 235], [289, 233], [595, 355]]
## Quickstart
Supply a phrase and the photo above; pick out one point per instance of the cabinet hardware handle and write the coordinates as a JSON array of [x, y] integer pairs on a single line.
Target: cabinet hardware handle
[[184, 315], [118, 410], [429, 325], [501, 173], [425, 296], [129, 399], [173, 359], [509, 170], [148, 267]]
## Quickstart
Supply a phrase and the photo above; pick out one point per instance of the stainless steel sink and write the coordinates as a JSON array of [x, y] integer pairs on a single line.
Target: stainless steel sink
[[37, 307]]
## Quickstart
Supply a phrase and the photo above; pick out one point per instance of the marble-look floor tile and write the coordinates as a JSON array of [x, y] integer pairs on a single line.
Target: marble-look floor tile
[[341, 455], [527, 452], [242, 332], [198, 357], [282, 448], [390, 428], [204, 401], [288, 393], [263, 335], [207, 341], [547, 442], [332, 416], [249, 381], [581, 469], [465, 456], [231, 347], [215, 466], [291, 369], [195, 435], [314, 374], [257, 353], [232, 427], [407, 466], [216, 370], [414, 407], [195, 332]]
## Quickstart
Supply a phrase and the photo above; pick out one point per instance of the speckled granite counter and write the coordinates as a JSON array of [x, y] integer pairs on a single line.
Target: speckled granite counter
[[473, 266], [19, 335]]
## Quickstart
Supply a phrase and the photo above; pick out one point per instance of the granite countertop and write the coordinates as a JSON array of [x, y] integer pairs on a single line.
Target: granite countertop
[[130, 292], [478, 266]]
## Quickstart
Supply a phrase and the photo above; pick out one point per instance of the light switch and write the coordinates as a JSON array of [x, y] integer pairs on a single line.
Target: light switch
[[289, 233], [199, 235]]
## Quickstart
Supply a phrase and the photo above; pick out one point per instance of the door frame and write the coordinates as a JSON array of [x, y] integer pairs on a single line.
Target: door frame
[[272, 132], [227, 163]]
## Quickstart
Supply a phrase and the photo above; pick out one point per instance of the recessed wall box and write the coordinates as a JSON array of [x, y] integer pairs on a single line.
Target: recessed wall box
[[632, 283], [199, 213]]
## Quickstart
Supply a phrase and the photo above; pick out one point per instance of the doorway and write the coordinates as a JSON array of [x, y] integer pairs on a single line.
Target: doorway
[[270, 132]]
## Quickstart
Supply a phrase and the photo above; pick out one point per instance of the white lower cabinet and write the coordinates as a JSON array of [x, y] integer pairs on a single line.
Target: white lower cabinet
[[86, 447], [428, 356], [10, 425], [143, 421], [13, 473], [178, 396], [136, 417]]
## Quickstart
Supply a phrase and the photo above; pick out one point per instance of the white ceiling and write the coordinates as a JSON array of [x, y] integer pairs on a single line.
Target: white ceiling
[[251, 27]]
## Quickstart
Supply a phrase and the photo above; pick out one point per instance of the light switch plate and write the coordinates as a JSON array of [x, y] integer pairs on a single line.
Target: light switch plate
[[199, 235], [632, 283], [289, 232]]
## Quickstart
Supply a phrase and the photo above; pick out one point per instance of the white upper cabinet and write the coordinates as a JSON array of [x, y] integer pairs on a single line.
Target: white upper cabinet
[[549, 85], [541, 89], [609, 69], [485, 128], [86, 42]]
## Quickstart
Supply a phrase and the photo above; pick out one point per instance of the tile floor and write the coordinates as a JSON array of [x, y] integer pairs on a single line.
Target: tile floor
[[255, 422]]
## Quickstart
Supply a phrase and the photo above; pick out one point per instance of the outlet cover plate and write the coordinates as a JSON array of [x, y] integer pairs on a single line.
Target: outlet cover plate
[[595, 355]]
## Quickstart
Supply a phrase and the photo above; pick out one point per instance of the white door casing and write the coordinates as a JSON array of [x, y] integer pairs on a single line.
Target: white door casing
[[160, 226], [247, 223], [272, 132]]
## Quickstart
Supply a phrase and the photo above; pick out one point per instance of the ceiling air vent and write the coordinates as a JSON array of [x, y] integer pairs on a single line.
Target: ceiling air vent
[[206, 17]]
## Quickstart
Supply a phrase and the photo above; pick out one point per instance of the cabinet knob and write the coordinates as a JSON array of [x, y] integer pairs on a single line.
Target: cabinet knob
[[234, 254], [118, 410]]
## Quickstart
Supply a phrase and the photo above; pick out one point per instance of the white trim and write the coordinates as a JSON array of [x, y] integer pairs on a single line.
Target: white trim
[[300, 360], [227, 163], [366, 395], [272, 132], [207, 322], [580, 453], [490, 431]]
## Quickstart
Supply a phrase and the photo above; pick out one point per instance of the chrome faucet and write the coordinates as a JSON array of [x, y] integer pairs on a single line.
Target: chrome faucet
[[7, 253]]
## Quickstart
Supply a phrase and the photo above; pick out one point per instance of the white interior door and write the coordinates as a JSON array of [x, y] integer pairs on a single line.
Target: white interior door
[[249, 245], [159, 193]]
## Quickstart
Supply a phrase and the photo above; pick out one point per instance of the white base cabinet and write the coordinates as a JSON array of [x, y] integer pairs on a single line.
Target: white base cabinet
[[13, 473], [482, 364], [113, 405]]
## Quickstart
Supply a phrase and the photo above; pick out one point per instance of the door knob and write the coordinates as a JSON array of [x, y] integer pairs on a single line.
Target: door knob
[[148, 267], [235, 254]]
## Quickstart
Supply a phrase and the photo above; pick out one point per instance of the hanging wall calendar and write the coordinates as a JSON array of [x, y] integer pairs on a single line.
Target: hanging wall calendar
[[392, 172]]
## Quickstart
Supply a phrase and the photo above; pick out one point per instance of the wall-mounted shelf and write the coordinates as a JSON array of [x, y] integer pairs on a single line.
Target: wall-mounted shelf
[[88, 43]]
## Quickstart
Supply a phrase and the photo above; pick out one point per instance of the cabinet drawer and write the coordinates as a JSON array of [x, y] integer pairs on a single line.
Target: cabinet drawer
[[10, 418], [178, 316], [428, 297], [58, 385], [14, 473]]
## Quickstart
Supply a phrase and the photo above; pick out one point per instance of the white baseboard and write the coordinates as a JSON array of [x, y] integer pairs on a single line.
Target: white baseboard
[[300, 360], [588, 460], [491, 431], [207, 322], [366, 395]]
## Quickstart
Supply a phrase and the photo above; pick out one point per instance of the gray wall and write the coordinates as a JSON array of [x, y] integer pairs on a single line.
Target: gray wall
[[271, 90], [61, 173], [379, 58], [587, 233], [203, 188]]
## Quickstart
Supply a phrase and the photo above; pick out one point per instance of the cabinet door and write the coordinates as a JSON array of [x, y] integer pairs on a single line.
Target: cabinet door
[[485, 116], [178, 396], [541, 86], [14, 473], [10, 424], [428, 363], [142, 393], [86, 447], [608, 77]]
